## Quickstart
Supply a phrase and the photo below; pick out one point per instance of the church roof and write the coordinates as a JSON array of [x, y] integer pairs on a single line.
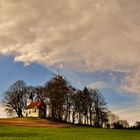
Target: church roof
[[37, 104]]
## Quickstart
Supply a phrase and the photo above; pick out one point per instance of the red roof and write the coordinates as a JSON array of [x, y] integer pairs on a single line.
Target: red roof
[[35, 104]]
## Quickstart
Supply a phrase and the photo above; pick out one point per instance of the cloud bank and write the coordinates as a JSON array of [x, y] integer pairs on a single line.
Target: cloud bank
[[2, 112], [81, 35]]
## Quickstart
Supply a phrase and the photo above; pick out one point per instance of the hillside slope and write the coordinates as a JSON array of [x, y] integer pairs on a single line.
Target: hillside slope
[[33, 122]]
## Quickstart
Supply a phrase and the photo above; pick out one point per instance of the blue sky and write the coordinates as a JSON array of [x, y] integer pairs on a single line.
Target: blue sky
[[93, 43], [37, 75], [10, 72]]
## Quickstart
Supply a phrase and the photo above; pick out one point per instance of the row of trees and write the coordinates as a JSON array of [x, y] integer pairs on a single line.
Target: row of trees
[[65, 102]]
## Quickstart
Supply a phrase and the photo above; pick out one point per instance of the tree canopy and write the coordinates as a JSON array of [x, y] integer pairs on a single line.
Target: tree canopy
[[15, 98], [83, 106]]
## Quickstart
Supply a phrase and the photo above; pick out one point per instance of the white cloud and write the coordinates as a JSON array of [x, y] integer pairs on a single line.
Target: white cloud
[[132, 82], [2, 112], [83, 35], [99, 85], [130, 113]]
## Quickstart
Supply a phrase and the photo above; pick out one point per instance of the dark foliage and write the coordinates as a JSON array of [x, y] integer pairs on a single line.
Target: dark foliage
[[84, 107]]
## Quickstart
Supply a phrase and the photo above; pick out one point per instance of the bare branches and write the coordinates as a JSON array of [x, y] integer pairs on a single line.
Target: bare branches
[[65, 102], [15, 98]]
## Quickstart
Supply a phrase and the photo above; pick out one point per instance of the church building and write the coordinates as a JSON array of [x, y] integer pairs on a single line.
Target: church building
[[36, 109]]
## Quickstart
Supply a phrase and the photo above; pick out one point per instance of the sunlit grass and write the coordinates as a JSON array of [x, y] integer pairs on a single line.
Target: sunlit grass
[[19, 133]]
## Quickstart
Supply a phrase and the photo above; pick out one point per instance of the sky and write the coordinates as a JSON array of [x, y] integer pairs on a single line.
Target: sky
[[93, 43]]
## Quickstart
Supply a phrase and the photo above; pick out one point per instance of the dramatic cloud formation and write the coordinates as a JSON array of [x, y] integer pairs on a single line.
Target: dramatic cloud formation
[[82, 35]]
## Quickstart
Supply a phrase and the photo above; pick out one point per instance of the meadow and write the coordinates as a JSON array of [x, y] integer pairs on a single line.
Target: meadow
[[24, 133]]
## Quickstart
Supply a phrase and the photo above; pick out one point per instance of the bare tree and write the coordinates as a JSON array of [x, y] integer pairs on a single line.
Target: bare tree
[[137, 124], [113, 118], [121, 124], [68, 105], [40, 93], [15, 98], [57, 89], [65, 103], [100, 109]]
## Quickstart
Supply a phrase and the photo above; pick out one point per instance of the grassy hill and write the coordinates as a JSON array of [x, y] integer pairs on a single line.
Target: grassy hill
[[33, 122], [56, 131]]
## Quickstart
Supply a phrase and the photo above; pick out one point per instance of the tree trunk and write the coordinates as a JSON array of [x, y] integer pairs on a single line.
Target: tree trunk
[[19, 112], [73, 117]]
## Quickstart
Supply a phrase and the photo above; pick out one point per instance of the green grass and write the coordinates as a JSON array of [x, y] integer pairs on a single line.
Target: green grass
[[19, 133]]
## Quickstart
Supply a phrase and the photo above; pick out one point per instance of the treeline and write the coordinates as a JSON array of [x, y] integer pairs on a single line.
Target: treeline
[[66, 103]]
